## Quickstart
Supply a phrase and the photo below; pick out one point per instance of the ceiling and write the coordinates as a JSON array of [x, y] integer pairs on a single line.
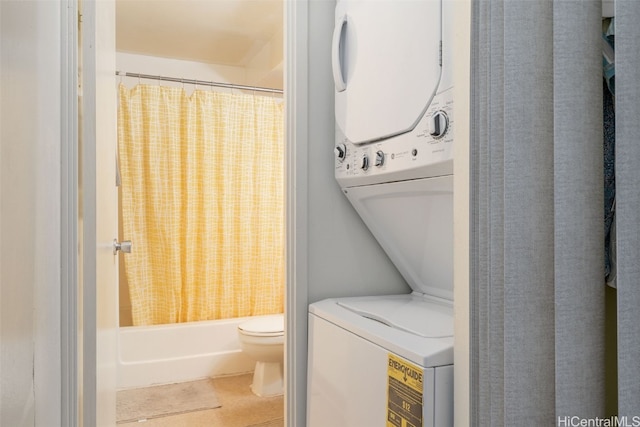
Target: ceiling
[[227, 32]]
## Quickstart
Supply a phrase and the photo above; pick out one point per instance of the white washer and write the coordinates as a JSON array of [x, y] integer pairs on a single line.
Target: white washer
[[365, 373], [388, 360], [358, 346]]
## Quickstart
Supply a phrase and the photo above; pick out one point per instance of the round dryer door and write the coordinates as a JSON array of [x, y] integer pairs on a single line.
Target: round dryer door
[[386, 65]]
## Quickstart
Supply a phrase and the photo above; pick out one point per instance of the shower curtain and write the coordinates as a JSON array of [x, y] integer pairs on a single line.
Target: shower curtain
[[202, 202], [541, 349]]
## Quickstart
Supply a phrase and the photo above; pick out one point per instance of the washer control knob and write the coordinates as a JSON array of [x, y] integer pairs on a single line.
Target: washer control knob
[[364, 164], [379, 158], [438, 124], [341, 152]]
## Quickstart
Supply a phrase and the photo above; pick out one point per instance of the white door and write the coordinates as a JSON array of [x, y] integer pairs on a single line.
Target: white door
[[99, 299]]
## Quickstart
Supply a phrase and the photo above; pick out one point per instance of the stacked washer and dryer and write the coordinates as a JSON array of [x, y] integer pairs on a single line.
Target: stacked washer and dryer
[[388, 360]]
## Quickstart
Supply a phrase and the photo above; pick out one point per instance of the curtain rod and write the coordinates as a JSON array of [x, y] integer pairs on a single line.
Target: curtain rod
[[199, 82]]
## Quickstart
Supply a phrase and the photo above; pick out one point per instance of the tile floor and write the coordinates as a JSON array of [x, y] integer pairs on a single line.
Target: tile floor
[[240, 408]]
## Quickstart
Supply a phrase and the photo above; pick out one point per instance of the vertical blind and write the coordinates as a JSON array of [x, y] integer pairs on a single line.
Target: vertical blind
[[538, 289], [628, 203]]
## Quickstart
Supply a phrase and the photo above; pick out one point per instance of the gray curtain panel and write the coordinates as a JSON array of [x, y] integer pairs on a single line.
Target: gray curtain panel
[[628, 203], [538, 288]]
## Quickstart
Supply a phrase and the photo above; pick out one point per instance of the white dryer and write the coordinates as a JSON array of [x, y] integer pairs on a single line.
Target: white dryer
[[388, 360]]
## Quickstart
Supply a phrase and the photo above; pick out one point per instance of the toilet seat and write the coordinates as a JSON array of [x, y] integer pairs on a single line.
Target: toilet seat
[[263, 326]]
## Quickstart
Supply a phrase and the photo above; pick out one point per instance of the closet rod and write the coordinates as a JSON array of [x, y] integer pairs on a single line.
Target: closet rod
[[199, 82]]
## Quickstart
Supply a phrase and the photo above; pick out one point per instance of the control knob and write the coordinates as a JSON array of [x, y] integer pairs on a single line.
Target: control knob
[[341, 152], [379, 158], [438, 124], [364, 164]]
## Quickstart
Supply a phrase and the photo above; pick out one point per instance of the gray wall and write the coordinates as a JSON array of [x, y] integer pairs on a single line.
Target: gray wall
[[30, 213], [331, 252]]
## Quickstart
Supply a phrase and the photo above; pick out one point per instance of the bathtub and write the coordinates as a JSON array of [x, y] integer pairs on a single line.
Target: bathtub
[[172, 353]]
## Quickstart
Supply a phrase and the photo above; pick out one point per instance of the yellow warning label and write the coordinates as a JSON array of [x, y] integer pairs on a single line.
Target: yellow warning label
[[404, 393]]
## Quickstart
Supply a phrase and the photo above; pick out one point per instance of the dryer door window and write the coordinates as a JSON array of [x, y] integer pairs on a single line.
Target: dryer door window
[[386, 63]]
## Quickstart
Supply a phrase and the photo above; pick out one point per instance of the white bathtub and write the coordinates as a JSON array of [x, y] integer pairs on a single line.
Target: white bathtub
[[179, 352]]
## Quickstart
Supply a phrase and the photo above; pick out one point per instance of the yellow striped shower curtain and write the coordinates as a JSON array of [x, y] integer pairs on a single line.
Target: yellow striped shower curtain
[[202, 202]]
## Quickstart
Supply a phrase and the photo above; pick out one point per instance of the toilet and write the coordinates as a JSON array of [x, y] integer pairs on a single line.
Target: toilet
[[262, 338]]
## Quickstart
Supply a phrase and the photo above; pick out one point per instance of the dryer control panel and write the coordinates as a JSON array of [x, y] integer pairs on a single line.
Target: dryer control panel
[[425, 151]]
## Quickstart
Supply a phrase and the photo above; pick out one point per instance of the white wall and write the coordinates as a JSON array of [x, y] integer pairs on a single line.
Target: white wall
[[30, 213], [265, 68]]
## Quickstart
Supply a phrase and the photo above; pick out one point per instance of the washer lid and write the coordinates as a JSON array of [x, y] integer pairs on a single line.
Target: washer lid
[[413, 222], [386, 62], [264, 325], [410, 313], [425, 351]]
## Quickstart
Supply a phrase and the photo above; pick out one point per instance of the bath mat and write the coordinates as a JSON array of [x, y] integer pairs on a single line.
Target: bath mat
[[273, 423], [163, 400]]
